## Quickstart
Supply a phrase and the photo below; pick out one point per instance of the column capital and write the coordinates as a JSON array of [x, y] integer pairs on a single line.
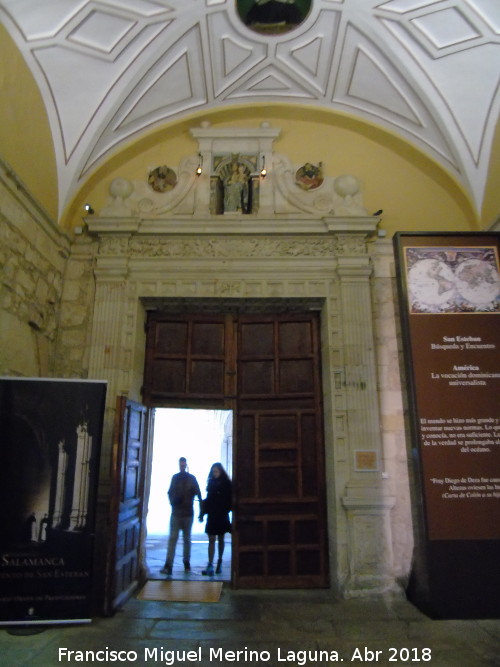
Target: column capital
[[111, 269], [354, 266]]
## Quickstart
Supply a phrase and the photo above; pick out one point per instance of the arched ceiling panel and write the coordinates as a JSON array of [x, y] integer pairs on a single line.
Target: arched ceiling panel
[[109, 70]]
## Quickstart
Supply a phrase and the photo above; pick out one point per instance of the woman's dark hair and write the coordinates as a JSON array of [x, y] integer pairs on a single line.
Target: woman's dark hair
[[223, 473]]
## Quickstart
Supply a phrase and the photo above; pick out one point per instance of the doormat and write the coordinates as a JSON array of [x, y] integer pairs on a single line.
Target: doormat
[[181, 591]]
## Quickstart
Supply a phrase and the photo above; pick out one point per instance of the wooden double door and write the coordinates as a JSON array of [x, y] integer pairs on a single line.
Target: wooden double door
[[266, 368]]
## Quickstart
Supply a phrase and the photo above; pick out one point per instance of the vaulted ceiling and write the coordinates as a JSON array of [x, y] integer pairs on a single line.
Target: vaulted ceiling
[[111, 70]]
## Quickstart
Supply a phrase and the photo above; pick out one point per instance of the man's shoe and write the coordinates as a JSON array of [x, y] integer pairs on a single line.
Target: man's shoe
[[187, 566], [166, 570]]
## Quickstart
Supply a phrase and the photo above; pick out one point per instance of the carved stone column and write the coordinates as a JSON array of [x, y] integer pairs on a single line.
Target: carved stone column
[[366, 500], [106, 352]]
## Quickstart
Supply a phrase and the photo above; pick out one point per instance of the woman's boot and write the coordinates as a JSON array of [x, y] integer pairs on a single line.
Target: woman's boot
[[218, 569], [209, 570]]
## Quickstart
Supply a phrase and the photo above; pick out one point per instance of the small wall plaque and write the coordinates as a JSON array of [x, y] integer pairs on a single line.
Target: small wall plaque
[[365, 459]]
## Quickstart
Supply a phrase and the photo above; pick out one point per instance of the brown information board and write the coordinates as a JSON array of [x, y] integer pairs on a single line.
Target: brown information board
[[450, 312]]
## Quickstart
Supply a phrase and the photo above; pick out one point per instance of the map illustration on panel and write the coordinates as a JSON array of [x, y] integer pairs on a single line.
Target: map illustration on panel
[[452, 280]]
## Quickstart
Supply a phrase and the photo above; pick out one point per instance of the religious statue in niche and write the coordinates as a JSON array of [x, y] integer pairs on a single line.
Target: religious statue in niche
[[309, 176], [162, 179], [233, 187], [236, 189], [273, 16]]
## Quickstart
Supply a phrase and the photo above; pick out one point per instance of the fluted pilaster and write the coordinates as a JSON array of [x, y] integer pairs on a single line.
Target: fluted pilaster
[[366, 499], [106, 352]]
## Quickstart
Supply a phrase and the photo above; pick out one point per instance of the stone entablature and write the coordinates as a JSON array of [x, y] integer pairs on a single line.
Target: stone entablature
[[202, 239]]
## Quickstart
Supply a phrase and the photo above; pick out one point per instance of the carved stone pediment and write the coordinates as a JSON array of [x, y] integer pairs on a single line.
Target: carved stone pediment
[[237, 174]]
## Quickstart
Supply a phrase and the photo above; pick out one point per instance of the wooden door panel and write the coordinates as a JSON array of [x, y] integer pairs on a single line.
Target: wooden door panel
[[132, 453], [128, 462], [296, 339], [280, 540], [272, 370], [189, 357], [296, 376], [208, 338], [278, 551], [256, 339], [206, 377], [169, 338]]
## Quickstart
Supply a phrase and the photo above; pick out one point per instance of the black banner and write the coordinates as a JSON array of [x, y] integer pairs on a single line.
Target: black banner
[[49, 461]]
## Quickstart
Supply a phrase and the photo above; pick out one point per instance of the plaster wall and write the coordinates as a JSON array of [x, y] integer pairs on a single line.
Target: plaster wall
[[25, 137]]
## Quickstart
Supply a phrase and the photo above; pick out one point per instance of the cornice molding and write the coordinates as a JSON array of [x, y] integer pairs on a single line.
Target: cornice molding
[[232, 226]]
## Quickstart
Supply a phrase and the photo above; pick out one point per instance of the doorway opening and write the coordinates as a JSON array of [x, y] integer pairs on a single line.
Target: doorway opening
[[203, 437]]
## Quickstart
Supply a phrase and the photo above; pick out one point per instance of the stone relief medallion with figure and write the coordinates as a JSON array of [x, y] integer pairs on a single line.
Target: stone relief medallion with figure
[[309, 176], [162, 179]]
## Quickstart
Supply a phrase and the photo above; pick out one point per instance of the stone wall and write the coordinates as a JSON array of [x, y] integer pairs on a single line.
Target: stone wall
[[77, 303], [33, 257]]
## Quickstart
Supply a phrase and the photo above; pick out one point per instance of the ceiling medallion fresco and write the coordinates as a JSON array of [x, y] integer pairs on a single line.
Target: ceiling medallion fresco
[[273, 17]]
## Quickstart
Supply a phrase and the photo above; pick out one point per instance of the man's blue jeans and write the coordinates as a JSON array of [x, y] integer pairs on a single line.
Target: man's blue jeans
[[177, 524]]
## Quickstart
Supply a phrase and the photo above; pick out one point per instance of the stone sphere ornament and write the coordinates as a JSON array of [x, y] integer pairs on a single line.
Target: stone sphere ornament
[[121, 188], [346, 186]]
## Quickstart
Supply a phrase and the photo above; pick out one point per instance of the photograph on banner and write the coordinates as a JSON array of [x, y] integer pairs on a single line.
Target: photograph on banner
[[453, 279], [49, 462]]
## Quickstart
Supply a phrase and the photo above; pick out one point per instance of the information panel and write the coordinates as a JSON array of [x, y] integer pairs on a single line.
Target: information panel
[[450, 302], [49, 461]]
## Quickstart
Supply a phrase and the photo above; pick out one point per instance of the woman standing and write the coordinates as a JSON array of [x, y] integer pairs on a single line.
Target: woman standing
[[217, 506]]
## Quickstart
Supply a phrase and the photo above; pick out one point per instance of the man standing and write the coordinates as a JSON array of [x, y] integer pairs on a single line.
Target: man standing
[[183, 489]]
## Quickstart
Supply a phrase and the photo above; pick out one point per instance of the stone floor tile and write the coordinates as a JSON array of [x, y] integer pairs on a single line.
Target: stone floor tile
[[275, 621], [384, 630]]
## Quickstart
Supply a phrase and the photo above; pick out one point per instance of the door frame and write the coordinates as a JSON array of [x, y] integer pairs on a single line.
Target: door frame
[[146, 265], [273, 307]]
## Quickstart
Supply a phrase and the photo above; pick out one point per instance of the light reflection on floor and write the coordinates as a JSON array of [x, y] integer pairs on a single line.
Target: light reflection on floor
[[156, 549]]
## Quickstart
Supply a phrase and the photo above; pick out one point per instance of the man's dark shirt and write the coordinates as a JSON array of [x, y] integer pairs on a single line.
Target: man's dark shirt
[[183, 489]]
